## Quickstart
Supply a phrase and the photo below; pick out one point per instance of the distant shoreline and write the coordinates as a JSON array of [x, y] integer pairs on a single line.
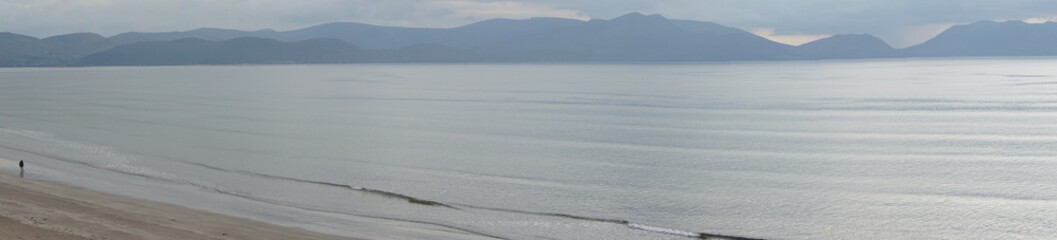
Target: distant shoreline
[[556, 62], [633, 37]]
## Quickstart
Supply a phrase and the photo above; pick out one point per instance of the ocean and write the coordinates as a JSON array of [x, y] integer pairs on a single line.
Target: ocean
[[871, 149]]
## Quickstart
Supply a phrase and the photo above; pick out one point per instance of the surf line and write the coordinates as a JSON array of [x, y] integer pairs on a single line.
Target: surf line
[[419, 201], [260, 199], [410, 199], [623, 222]]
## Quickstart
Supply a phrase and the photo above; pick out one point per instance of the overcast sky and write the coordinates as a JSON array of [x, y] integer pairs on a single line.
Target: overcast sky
[[899, 22]]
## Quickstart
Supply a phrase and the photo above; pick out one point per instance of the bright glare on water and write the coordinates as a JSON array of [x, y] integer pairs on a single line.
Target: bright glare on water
[[887, 149]]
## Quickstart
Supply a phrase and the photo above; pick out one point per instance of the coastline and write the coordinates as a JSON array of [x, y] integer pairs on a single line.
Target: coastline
[[36, 209]]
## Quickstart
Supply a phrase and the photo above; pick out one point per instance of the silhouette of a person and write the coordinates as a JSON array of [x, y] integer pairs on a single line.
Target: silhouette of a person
[[21, 169]]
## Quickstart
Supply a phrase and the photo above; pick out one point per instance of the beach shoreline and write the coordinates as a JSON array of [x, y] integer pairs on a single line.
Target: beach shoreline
[[38, 209]]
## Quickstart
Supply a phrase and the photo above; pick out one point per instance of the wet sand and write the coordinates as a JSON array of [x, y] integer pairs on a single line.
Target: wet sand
[[35, 209]]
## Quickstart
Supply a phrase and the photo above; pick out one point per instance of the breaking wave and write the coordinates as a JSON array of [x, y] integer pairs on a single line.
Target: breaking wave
[[105, 158]]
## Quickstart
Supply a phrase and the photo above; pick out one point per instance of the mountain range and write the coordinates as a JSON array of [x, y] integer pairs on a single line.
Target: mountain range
[[630, 38]]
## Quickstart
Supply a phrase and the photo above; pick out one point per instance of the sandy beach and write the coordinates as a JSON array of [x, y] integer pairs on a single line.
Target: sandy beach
[[34, 209]]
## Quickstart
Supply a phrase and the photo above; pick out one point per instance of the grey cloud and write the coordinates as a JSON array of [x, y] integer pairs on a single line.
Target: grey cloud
[[886, 18]]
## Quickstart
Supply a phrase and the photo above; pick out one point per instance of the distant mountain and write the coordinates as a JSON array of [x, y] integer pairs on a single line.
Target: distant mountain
[[987, 38], [371, 36], [696, 26], [493, 30], [633, 37], [21, 50], [387, 44], [420, 53], [364, 35], [80, 44], [211, 34], [846, 46], [637, 37], [193, 51]]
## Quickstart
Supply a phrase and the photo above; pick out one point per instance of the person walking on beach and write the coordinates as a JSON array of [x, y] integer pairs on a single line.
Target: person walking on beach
[[21, 169]]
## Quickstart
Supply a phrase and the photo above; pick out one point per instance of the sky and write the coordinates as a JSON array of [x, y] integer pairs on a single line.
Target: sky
[[899, 22]]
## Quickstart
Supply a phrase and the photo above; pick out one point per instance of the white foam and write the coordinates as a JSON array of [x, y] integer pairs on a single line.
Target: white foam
[[664, 230], [93, 154]]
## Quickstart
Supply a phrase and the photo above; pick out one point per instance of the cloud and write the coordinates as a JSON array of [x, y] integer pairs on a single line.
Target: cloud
[[1041, 19], [791, 39], [49, 17], [44, 18], [900, 22], [476, 11]]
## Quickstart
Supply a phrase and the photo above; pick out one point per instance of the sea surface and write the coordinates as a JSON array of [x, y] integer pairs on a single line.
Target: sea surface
[[875, 149]]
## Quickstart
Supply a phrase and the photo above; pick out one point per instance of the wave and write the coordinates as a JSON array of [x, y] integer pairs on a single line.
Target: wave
[[456, 206], [678, 232], [155, 175], [122, 167], [663, 230], [337, 185], [848, 104]]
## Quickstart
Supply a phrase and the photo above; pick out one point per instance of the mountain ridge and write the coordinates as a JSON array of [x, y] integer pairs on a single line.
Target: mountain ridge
[[990, 38], [633, 37], [847, 46]]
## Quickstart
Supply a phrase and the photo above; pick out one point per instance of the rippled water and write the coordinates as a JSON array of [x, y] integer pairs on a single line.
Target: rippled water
[[922, 149]]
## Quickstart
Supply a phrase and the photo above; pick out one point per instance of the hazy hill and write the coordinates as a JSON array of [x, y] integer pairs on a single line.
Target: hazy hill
[[371, 36], [493, 30], [697, 26], [364, 35], [987, 38], [846, 46], [20, 50], [79, 44], [637, 37], [193, 51], [632, 37], [190, 51], [24, 51], [211, 34]]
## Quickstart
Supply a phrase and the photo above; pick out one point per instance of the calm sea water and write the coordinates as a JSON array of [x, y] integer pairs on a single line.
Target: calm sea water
[[894, 149]]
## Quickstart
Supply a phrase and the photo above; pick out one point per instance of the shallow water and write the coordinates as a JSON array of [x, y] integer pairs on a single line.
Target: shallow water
[[923, 149]]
